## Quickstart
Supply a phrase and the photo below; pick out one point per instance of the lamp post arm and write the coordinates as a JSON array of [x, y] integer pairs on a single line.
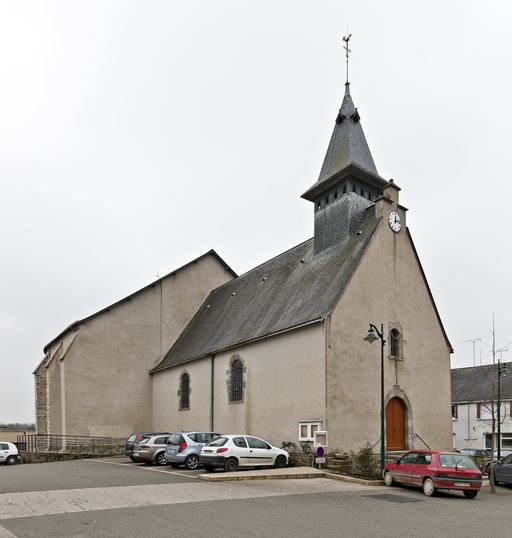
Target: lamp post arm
[[380, 333]]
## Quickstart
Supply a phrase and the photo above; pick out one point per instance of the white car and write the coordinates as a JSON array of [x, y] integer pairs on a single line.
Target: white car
[[233, 451], [9, 453]]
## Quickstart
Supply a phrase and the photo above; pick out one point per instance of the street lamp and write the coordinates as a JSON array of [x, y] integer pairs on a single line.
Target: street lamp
[[372, 336]]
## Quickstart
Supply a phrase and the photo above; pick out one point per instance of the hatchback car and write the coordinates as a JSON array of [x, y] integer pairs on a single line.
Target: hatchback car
[[233, 451], [503, 454], [151, 449], [185, 448], [503, 470], [433, 470], [135, 438], [9, 453]]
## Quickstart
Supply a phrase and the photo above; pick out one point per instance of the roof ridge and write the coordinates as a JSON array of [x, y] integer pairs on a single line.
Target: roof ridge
[[130, 295]]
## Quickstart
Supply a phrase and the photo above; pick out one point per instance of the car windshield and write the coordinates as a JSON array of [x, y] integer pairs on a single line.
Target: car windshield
[[218, 441], [457, 460]]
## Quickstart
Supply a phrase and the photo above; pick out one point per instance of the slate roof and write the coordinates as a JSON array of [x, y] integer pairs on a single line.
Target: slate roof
[[347, 147], [291, 290], [474, 384]]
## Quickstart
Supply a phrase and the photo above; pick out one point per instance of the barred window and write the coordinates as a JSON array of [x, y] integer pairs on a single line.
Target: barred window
[[184, 392], [236, 386]]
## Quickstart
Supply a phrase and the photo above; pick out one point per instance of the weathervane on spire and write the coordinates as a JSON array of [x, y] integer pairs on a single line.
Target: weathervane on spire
[[347, 50]]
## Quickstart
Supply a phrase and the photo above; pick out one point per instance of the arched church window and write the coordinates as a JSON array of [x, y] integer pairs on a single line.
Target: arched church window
[[395, 342], [236, 382], [344, 189], [184, 392]]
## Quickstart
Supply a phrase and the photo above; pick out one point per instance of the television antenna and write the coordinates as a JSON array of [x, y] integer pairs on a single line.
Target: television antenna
[[473, 340]]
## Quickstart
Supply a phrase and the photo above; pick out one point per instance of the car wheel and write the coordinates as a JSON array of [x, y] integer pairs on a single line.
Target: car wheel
[[388, 479], [11, 460], [231, 465], [160, 459], [470, 494], [174, 464], [280, 462], [192, 462], [429, 488]]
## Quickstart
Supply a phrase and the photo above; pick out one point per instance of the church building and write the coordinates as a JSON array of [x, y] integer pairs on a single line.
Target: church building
[[279, 351]]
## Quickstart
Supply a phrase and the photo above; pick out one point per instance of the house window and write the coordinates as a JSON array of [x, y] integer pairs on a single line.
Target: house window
[[308, 429], [236, 381], [395, 343], [184, 392], [484, 410], [455, 412], [506, 441]]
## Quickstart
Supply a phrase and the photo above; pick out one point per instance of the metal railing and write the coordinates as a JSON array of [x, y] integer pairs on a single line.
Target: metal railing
[[63, 443], [418, 437]]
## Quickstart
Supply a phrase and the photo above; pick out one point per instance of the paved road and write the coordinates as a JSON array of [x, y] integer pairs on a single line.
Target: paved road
[[110, 498]]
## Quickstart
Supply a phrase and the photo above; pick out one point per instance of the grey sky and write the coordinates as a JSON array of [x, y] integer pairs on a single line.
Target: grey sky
[[135, 136]]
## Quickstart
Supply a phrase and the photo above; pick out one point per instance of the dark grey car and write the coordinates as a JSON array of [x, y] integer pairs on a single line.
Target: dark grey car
[[503, 470]]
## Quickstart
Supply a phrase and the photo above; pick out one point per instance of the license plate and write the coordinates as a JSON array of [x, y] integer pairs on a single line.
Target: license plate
[[207, 451], [461, 484]]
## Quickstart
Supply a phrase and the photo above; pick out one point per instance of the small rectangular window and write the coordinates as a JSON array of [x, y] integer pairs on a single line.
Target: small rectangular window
[[307, 430], [455, 412]]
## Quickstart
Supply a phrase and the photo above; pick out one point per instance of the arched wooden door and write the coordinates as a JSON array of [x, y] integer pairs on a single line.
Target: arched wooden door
[[395, 424]]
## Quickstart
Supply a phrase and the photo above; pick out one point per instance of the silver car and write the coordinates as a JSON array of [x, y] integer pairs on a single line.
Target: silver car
[[184, 448], [150, 450]]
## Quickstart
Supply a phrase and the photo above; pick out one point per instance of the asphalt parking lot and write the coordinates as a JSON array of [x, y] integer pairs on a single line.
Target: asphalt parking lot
[[94, 473], [114, 497]]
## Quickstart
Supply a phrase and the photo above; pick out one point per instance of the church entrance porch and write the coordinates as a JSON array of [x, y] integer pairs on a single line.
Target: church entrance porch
[[395, 425]]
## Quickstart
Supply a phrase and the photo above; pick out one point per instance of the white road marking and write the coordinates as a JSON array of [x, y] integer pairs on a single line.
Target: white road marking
[[176, 473], [42, 503], [4, 533]]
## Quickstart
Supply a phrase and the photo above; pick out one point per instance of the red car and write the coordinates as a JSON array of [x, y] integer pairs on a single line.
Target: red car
[[433, 470]]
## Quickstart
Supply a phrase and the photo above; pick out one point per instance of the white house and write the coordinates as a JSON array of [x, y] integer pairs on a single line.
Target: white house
[[472, 410]]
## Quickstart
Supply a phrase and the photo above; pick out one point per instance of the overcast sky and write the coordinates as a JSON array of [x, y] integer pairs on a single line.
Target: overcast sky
[[137, 135]]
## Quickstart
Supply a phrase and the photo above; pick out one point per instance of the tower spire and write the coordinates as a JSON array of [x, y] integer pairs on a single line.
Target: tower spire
[[347, 50]]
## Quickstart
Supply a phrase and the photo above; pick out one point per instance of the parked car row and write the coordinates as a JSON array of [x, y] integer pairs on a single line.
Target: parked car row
[[210, 449]]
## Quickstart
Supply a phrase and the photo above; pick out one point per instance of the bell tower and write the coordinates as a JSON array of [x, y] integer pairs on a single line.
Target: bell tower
[[348, 183]]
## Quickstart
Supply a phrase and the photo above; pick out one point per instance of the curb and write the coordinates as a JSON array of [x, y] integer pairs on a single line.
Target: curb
[[286, 474], [281, 474]]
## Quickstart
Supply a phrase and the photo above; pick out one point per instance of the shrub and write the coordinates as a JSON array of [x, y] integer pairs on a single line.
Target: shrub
[[364, 462]]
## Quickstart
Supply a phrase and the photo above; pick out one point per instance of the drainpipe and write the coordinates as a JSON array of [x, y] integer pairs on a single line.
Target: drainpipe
[[212, 392], [469, 424]]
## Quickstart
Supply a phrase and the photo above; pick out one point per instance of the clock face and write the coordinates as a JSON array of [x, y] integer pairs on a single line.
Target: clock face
[[394, 221]]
